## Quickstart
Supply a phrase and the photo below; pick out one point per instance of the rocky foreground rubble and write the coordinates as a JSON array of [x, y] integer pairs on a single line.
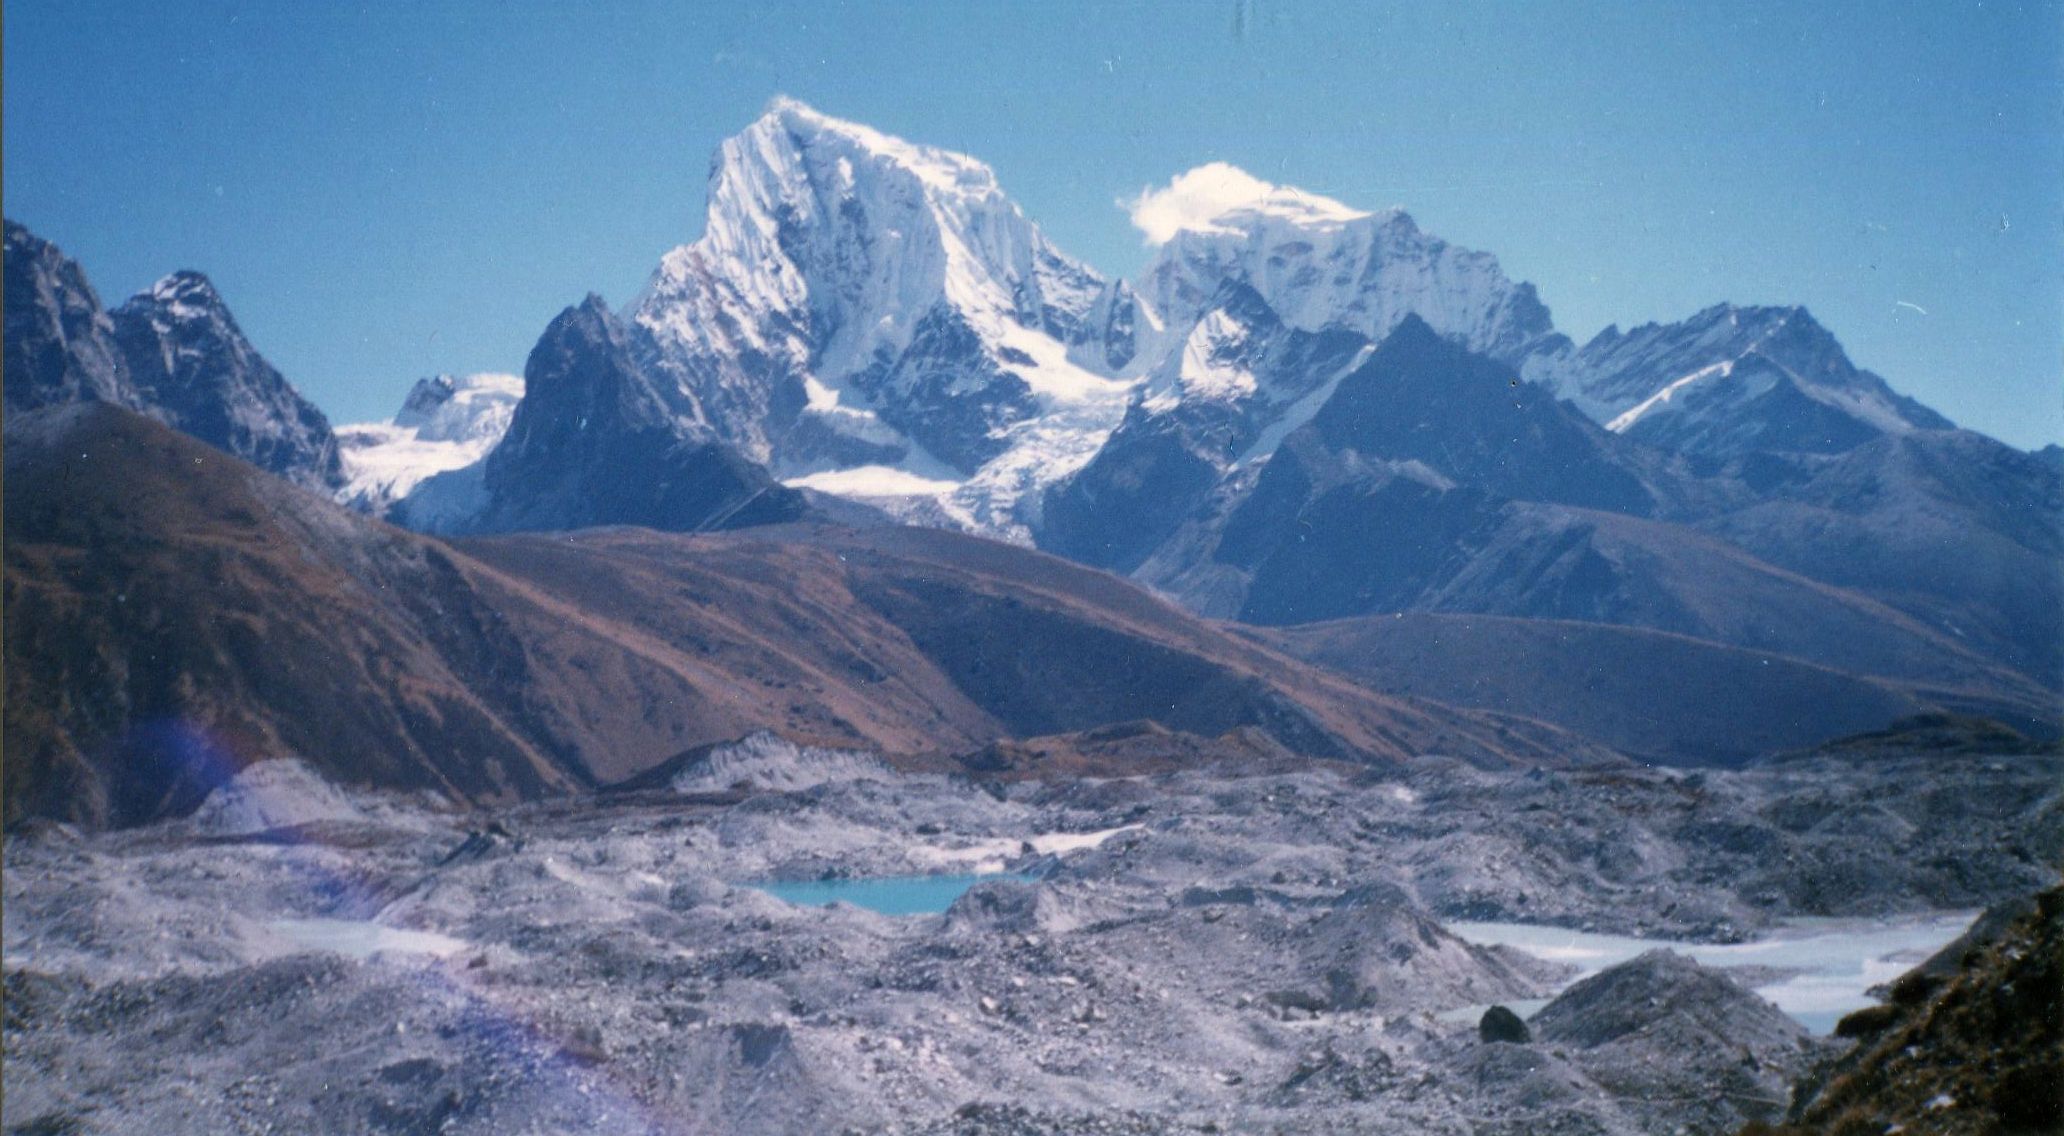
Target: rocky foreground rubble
[[1191, 952]]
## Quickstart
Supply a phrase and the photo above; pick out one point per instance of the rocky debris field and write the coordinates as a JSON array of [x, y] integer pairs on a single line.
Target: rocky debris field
[[1191, 952]]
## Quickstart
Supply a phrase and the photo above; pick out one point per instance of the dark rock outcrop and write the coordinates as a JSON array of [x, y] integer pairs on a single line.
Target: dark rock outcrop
[[173, 353], [60, 342], [196, 372], [595, 442], [1501, 1024]]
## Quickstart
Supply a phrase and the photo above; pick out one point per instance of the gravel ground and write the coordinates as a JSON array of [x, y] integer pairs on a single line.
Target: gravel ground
[[1200, 951]]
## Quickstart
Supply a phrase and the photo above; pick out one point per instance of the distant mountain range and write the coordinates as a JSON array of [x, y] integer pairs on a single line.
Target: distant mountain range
[[1299, 412]]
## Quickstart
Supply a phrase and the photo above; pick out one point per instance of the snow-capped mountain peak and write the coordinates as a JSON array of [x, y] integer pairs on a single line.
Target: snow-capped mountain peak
[[852, 234], [1729, 379], [864, 312], [447, 423], [184, 294], [468, 409], [859, 301], [1323, 265]]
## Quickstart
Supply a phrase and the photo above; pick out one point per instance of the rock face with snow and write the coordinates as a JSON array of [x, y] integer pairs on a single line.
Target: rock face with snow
[[1429, 478], [1259, 301], [1322, 264], [1234, 385], [173, 352], [196, 370], [1389, 484], [1731, 381], [876, 319], [859, 303], [447, 423]]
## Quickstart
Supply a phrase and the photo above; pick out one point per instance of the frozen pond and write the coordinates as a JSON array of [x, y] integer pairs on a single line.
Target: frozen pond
[[890, 895], [1830, 962]]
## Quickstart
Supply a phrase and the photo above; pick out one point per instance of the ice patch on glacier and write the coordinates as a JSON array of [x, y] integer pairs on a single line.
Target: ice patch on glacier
[[768, 761], [270, 795]]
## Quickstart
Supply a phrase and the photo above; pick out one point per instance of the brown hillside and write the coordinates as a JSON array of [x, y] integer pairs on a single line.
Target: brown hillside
[[173, 614]]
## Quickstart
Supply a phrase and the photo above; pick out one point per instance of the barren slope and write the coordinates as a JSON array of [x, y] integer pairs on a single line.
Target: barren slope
[[1649, 693], [173, 614]]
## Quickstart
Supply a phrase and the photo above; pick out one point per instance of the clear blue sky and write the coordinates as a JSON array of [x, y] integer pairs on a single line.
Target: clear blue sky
[[386, 190]]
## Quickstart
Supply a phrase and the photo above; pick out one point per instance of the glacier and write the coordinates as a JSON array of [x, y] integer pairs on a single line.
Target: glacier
[[446, 424]]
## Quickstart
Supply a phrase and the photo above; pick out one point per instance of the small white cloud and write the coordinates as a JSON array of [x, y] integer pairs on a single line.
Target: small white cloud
[[1202, 199], [1194, 200]]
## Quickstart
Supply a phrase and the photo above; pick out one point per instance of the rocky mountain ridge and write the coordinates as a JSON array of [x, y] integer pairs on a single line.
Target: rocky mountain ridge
[[172, 352]]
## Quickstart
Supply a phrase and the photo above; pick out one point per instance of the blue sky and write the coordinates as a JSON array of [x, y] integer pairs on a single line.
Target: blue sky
[[387, 190]]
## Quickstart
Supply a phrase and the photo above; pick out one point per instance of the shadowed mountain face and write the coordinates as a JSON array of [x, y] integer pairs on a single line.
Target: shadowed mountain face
[[60, 343], [1387, 460], [1959, 531], [173, 353], [595, 443], [1651, 694], [1241, 375], [1432, 480], [1532, 561], [1422, 398], [174, 614]]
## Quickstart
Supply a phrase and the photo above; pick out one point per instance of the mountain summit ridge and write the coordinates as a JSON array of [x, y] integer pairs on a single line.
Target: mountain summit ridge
[[870, 318], [172, 351], [877, 319], [860, 300]]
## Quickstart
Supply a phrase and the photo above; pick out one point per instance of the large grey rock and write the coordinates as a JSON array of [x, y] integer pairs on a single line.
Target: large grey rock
[[1678, 1046]]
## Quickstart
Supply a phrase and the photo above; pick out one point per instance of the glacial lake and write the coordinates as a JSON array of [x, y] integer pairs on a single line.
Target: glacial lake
[[890, 895], [1833, 961]]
